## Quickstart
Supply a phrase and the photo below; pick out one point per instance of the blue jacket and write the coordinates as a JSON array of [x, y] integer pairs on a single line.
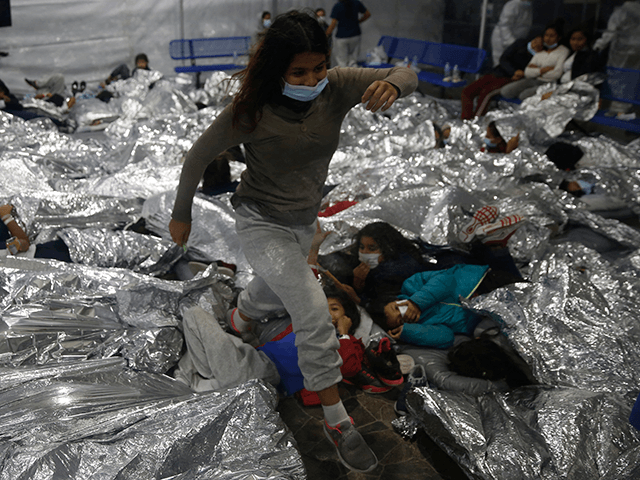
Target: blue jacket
[[437, 293]]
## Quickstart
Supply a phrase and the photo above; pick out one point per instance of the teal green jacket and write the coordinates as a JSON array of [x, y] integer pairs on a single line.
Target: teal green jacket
[[437, 294]]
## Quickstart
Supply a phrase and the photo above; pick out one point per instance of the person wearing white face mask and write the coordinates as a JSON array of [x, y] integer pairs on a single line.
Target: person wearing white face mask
[[265, 20], [386, 258], [515, 22], [322, 20], [546, 66], [287, 114]]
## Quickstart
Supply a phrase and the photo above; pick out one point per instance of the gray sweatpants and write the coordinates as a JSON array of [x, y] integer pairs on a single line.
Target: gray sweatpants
[[346, 51], [53, 84], [278, 255], [523, 88]]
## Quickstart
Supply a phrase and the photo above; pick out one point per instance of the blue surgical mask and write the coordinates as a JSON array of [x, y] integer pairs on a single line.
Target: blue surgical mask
[[303, 93], [587, 188], [489, 143], [550, 47], [266, 23], [530, 48]]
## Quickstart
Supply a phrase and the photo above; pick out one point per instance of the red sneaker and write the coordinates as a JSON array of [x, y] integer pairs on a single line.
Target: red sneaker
[[367, 381], [384, 362]]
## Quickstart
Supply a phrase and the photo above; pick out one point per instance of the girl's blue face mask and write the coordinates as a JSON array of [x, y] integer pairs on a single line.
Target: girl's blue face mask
[[530, 48], [489, 143], [266, 23], [550, 47], [303, 93]]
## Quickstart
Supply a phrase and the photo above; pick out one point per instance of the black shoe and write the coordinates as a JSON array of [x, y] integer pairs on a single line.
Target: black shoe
[[384, 362], [74, 88], [367, 381], [31, 82], [4, 54], [416, 378], [83, 85]]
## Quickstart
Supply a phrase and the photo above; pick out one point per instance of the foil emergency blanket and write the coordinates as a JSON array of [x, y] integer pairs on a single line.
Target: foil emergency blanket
[[56, 312], [99, 419], [573, 322]]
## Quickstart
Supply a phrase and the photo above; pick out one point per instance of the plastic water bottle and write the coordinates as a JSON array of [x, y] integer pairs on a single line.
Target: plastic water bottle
[[405, 62], [368, 58], [447, 72], [414, 64], [456, 74]]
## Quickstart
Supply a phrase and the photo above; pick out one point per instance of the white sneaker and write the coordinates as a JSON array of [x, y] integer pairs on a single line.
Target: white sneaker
[[499, 232]]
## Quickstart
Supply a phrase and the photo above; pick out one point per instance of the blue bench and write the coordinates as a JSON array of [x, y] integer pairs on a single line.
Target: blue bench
[[199, 48], [622, 85], [468, 59]]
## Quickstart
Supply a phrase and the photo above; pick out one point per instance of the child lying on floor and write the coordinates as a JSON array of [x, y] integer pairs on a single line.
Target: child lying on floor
[[495, 143], [217, 359], [15, 241], [428, 311]]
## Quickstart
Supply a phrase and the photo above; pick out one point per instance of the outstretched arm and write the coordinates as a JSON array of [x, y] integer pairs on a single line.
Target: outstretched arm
[[13, 227]]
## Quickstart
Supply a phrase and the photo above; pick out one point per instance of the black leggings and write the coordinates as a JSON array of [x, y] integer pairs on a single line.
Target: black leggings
[[56, 249]]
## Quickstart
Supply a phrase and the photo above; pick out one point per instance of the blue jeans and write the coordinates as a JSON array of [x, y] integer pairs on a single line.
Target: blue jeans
[[284, 281]]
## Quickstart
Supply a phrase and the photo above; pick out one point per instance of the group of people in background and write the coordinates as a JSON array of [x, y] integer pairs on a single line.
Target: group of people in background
[[345, 19], [527, 64]]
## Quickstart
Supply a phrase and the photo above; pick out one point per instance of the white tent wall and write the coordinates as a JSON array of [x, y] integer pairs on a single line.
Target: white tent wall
[[86, 39]]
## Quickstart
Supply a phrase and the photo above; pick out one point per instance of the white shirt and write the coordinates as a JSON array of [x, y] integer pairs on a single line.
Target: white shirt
[[568, 65], [554, 58]]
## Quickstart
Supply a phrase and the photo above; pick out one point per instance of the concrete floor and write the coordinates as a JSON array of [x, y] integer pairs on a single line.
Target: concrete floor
[[399, 459]]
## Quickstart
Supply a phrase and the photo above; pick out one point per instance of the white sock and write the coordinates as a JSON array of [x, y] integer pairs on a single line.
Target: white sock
[[238, 322], [335, 414]]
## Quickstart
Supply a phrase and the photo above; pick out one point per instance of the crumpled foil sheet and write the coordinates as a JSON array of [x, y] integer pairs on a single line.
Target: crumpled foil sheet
[[100, 419], [58, 312], [574, 320], [123, 249]]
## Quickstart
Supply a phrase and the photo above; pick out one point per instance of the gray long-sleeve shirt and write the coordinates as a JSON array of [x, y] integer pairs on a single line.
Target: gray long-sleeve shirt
[[288, 153]]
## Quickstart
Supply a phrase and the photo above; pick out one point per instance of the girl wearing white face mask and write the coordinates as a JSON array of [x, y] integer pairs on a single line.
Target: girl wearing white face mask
[[385, 259], [288, 113]]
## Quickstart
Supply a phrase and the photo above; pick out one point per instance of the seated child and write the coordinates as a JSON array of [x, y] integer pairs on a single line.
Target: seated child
[[386, 259], [428, 311]]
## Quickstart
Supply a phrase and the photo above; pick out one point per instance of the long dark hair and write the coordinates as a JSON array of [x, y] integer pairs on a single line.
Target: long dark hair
[[290, 34], [584, 30], [391, 242]]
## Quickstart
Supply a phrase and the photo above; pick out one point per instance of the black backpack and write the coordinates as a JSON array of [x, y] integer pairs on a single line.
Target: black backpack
[[483, 357]]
